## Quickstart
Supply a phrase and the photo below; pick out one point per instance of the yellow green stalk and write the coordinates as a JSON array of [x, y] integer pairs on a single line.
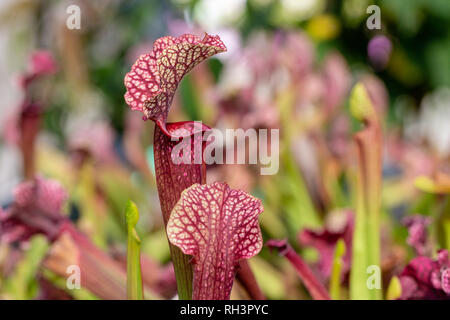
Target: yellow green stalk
[[335, 281], [366, 237], [134, 279]]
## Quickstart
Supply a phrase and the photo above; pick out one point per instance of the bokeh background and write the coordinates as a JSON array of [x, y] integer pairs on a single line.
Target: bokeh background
[[290, 65]]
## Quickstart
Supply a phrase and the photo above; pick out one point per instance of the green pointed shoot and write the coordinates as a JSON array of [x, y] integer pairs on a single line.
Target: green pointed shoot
[[134, 279], [394, 290], [335, 281], [366, 237]]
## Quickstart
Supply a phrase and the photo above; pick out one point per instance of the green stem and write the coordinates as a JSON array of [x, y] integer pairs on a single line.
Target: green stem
[[134, 278], [183, 272], [335, 281]]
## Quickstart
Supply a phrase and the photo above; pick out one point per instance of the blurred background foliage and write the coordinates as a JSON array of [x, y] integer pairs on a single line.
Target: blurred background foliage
[[290, 65]]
